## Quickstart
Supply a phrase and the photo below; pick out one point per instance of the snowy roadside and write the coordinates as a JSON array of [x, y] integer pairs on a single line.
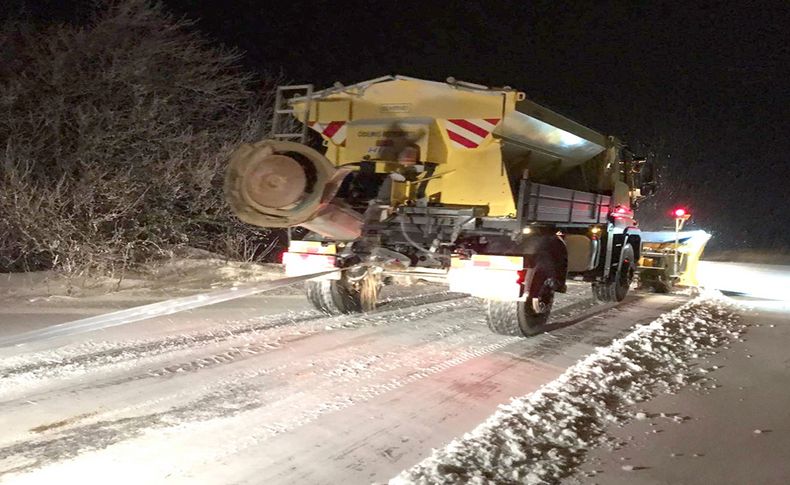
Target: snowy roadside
[[31, 301], [543, 437], [180, 276], [735, 425]]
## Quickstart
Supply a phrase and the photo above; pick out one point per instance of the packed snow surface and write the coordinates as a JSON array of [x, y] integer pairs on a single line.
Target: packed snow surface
[[167, 307], [543, 437], [265, 386]]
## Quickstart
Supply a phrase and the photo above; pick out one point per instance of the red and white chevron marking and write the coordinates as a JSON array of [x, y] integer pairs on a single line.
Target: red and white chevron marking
[[469, 133], [334, 130]]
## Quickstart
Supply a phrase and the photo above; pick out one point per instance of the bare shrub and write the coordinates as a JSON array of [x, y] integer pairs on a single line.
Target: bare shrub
[[114, 138]]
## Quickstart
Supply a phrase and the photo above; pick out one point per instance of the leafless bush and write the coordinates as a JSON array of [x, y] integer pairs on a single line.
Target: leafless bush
[[114, 136]]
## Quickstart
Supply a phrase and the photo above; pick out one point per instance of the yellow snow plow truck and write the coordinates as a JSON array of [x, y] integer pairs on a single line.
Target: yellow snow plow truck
[[496, 195]]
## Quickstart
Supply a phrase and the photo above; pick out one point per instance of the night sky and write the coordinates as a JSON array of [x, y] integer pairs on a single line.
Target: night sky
[[705, 84]]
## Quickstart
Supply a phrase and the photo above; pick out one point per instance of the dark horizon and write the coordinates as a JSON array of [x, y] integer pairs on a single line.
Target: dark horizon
[[703, 84]]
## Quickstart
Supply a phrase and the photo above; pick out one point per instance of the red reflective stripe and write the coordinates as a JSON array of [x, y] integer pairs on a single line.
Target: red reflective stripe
[[471, 127], [493, 121], [460, 139], [481, 263], [332, 128]]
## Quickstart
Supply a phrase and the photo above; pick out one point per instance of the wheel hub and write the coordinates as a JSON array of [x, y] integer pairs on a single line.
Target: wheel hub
[[543, 302]]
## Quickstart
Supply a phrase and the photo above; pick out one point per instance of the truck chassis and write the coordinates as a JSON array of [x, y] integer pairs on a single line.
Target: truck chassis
[[516, 264]]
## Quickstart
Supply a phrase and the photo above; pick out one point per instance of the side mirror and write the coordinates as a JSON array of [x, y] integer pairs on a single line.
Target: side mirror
[[644, 173], [648, 189]]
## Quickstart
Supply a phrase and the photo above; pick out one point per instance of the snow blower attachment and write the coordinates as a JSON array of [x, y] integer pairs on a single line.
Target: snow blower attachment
[[286, 184], [477, 187]]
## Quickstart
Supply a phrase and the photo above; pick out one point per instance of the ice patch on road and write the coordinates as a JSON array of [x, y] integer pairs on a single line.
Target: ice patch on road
[[543, 437]]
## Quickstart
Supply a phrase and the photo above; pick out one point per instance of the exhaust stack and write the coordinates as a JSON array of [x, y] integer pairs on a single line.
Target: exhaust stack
[[284, 184]]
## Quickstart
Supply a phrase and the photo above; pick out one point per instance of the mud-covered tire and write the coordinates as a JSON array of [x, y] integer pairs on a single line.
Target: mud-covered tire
[[617, 288], [337, 297]]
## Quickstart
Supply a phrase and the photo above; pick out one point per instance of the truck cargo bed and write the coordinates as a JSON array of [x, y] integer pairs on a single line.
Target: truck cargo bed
[[546, 203]]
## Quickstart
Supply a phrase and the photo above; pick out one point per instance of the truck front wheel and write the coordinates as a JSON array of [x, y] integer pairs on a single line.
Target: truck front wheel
[[617, 287]]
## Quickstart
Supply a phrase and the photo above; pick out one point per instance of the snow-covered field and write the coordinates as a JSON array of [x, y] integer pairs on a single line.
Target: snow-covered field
[[265, 389]]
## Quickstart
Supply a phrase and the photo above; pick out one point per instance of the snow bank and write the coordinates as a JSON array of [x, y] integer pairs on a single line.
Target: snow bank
[[543, 437]]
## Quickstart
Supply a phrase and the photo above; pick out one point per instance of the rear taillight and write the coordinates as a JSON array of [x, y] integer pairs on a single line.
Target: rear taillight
[[621, 212], [521, 276]]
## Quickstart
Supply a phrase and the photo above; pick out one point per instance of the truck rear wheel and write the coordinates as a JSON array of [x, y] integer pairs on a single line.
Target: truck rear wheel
[[337, 297], [617, 288], [524, 318]]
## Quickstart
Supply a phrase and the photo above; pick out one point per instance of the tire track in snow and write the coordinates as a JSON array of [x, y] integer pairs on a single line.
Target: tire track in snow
[[28, 372], [227, 401], [369, 392], [249, 402], [235, 355], [35, 453], [214, 409], [82, 355], [253, 349]]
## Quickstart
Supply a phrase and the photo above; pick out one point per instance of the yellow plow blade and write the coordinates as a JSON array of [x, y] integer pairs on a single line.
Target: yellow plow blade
[[659, 250]]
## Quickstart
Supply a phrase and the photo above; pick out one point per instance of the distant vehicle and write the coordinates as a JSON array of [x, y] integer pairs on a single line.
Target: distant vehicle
[[498, 196]]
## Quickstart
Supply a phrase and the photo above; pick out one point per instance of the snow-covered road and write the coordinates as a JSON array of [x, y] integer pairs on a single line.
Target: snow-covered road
[[266, 390]]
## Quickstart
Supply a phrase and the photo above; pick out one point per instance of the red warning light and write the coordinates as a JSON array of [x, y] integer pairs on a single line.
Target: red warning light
[[680, 212]]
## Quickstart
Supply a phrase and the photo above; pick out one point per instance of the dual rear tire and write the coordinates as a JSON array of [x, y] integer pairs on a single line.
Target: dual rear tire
[[619, 283]]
